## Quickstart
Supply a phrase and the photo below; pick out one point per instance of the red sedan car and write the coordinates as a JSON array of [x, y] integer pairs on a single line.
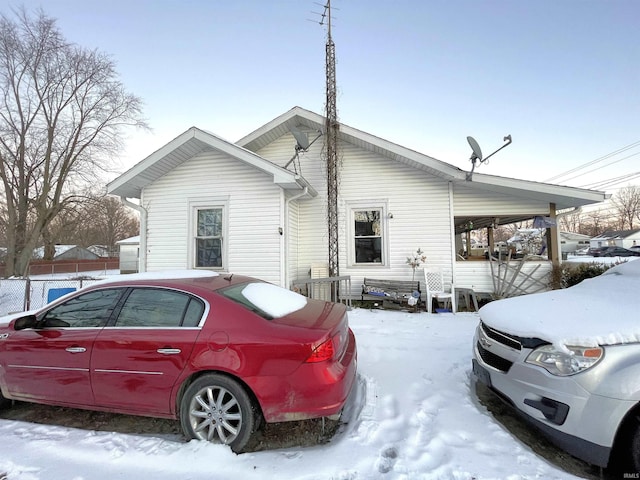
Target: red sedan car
[[221, 353]]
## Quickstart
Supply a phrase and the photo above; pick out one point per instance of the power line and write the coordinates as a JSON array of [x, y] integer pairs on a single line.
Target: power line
[[593, 162], [612, 181], [601, 167]]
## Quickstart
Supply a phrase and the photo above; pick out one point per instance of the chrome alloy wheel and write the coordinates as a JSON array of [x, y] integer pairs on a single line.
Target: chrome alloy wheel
[[215, 415]]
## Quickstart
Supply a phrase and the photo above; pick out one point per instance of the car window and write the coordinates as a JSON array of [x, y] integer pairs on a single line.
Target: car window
[[154, 307], [91, 309], [235, 294]]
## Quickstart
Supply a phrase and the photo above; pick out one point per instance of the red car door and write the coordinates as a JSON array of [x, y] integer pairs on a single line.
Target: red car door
[[51, 361], [137, 361]]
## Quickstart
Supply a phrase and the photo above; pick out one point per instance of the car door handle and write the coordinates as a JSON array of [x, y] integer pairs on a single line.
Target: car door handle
[[169, 351], [76, 349]]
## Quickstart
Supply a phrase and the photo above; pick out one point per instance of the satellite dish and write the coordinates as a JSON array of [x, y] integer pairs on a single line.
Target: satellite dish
[[475, 147], [301, 138], [477, 153]]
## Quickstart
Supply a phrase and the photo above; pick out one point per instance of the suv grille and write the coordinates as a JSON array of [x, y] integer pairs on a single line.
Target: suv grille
[[504, 338], [493, 360]]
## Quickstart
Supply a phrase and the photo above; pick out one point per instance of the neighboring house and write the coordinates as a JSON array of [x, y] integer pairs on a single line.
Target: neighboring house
[[619, 238], [570, 242], [67, 252], [101, 251], [129, 254], [209, 203]]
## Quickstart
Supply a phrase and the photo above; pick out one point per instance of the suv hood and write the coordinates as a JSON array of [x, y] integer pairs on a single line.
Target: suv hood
[[598, 311]]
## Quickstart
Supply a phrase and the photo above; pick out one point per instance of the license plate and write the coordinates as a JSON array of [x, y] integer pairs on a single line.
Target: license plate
[[481, 373]]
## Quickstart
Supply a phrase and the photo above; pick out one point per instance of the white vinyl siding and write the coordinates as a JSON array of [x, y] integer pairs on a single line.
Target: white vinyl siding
[[253, 213], [419, 203]]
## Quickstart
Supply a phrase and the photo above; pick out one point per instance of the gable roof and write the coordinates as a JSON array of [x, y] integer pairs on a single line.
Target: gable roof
[[187, 145], [616, 234], [563, 197]]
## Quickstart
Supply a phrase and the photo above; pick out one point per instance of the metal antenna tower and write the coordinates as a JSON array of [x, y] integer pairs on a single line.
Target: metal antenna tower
[[332, 128]]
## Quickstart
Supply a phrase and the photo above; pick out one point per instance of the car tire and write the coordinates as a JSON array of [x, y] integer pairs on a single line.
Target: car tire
[[4, 402], [218, 409], [634, 447]]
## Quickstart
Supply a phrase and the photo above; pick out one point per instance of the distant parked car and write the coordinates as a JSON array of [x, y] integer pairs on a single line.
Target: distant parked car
[[611, 251], [568, 361], [595, 251], [619, 252], [635, 248], [221, 353]]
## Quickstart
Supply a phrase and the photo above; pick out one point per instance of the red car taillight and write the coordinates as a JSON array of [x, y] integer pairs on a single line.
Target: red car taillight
[[322, 352]]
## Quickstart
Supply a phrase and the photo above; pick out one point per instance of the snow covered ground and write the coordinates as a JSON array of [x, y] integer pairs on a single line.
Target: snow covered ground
[[414, 417]]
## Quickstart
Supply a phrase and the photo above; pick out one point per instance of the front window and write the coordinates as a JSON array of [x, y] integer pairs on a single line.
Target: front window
[[91, 309], [209, 238], [368, 236]]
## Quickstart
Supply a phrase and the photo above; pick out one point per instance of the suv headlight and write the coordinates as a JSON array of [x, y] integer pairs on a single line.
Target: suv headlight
[[563, 363]]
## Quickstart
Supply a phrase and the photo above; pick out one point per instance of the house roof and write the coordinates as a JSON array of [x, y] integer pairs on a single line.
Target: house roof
[[38, 253], [612, 234], [195, 141], [185, 146], [129, 241], [563, 197]]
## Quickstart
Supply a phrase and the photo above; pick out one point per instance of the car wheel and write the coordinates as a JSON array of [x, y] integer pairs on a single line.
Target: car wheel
[[218, 409]]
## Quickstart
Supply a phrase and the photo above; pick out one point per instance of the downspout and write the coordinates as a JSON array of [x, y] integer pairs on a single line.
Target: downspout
[[284, 262], [452, 225], [142, 261]]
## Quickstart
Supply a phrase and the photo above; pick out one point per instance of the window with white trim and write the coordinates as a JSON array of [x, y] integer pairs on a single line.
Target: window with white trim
[[209, 236], [368, 236]]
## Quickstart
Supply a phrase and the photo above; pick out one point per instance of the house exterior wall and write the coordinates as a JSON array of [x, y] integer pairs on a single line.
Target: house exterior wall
[[291, 238], [631, 240], [418, 203], [252, 206]]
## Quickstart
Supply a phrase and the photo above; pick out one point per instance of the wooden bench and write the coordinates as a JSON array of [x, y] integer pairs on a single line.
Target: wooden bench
[[395, 291]]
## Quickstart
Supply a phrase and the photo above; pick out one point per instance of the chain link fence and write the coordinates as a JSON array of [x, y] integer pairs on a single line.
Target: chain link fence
[[21, 294]]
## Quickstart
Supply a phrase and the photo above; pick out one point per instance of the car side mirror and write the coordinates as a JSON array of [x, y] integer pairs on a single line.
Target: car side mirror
[[28, 321]]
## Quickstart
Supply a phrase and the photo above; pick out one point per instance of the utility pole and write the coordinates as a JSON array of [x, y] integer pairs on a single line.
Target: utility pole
[[331, 146]]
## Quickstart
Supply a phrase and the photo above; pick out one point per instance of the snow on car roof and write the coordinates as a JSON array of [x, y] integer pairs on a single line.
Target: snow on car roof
[[273, 300], [160, 275], [598, 311]]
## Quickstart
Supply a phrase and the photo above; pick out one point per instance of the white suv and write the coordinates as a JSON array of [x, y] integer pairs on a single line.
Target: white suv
[[569, 362]]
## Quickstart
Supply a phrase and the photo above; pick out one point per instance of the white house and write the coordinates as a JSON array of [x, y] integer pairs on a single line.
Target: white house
[[619, 238], [254, 208]]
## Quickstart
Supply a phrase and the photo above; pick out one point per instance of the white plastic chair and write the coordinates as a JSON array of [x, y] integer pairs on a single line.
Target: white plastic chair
[[438, 289]]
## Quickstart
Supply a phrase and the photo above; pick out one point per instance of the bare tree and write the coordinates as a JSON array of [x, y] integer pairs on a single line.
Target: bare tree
[[594, 223], [571, 222], [98, 220], [627, 205], [62, 114], [107, 221]]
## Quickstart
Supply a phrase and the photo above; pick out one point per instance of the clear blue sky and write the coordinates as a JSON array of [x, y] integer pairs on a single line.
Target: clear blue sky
[[561, 76]]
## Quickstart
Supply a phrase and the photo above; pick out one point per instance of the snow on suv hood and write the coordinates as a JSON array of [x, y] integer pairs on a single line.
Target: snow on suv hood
[[598, 311]]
